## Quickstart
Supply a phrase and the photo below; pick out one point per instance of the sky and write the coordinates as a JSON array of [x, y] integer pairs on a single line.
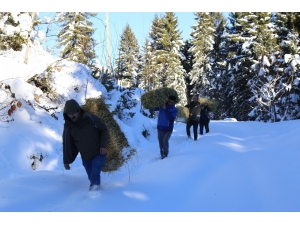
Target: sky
[[241, 172], [139, 22], [138, 16]]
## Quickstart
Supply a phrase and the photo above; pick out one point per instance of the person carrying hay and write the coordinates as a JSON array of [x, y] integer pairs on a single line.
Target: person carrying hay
[[85, 133], [165, 124], [194, 117]]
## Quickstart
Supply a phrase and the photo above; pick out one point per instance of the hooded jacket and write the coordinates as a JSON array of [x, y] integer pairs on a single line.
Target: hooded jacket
[[82, 136]]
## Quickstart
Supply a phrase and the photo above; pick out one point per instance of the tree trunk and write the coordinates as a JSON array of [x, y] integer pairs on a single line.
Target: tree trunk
[[28, 40]]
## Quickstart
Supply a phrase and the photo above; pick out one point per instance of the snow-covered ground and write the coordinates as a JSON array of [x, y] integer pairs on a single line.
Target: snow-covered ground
[[236, 167]]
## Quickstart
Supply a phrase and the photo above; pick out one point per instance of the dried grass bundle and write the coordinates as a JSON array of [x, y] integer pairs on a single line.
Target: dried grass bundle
[[183, 113], [117, 141], [157, 97]]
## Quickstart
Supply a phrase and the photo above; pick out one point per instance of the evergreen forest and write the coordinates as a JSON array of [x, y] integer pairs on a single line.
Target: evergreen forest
[[247, 64]]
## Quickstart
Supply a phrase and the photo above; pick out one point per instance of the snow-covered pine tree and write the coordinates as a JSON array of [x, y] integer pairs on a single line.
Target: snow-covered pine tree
[[165, 42], [76, 38], [202, 41], [187, 58], [262, 77], [288, 65], [216, 77], [128, 62], [146, 82], [153, 47], [173, 74], [232, 44], [254, 42]]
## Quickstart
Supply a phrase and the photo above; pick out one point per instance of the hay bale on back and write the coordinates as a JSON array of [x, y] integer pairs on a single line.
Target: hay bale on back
[[157, 97], [117, 141], [183, 114], [212, 104]]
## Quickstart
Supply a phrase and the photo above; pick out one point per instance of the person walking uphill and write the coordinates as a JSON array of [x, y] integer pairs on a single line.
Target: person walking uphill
[[204, 118], [87, 134], [165, 124], [194, 117]]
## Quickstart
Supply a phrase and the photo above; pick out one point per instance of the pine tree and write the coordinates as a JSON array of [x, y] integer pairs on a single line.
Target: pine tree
[[128, 61], [76, 37], [153, 48], [147, 68], [216, 78], [187, 63], [165, 42], [202, 47], [255, 42], [169, 56], [288, 66]]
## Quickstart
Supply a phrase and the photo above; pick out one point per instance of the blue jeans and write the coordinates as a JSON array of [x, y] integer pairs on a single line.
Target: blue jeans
[[93, 168]]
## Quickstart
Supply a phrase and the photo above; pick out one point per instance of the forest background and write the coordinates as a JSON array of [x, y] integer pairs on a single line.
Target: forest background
[[246, 65]]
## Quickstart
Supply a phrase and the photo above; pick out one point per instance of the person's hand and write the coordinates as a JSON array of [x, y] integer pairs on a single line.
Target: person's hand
[[103, 151], [67, 166], [164, 106]]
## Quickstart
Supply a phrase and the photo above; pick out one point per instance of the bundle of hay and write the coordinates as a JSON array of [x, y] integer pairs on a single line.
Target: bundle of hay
[[157, 97], [212, 104], [183, 114], [117, 142]]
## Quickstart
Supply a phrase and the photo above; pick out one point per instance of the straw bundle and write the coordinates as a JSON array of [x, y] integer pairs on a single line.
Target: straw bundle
[[117, 141], [157, 97]]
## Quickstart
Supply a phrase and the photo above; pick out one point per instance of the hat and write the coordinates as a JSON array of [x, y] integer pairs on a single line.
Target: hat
[[71, 106], [172, 97]]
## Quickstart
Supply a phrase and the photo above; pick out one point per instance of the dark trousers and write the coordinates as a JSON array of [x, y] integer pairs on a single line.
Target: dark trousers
[[163, 140], [204, 123], [93, 168], [193, 123]]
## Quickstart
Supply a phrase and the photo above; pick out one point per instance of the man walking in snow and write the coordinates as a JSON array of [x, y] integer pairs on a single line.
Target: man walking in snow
[[165, 124], [194, 117], [87, 134]]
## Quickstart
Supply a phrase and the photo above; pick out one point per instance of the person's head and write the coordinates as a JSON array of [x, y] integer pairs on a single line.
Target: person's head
[[171, 100], [202, 106], [195, 98], [72, 109]]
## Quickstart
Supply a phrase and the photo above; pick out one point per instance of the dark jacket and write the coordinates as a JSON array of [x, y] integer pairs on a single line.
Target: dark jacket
[[166, 117], [194, 109], [204, 114], [83, 137]]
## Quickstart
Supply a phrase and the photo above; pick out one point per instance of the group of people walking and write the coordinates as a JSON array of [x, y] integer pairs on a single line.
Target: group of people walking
[[80, 135], [198, 115]]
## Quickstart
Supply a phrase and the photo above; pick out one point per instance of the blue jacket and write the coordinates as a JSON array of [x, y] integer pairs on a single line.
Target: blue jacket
[[166, 117]]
